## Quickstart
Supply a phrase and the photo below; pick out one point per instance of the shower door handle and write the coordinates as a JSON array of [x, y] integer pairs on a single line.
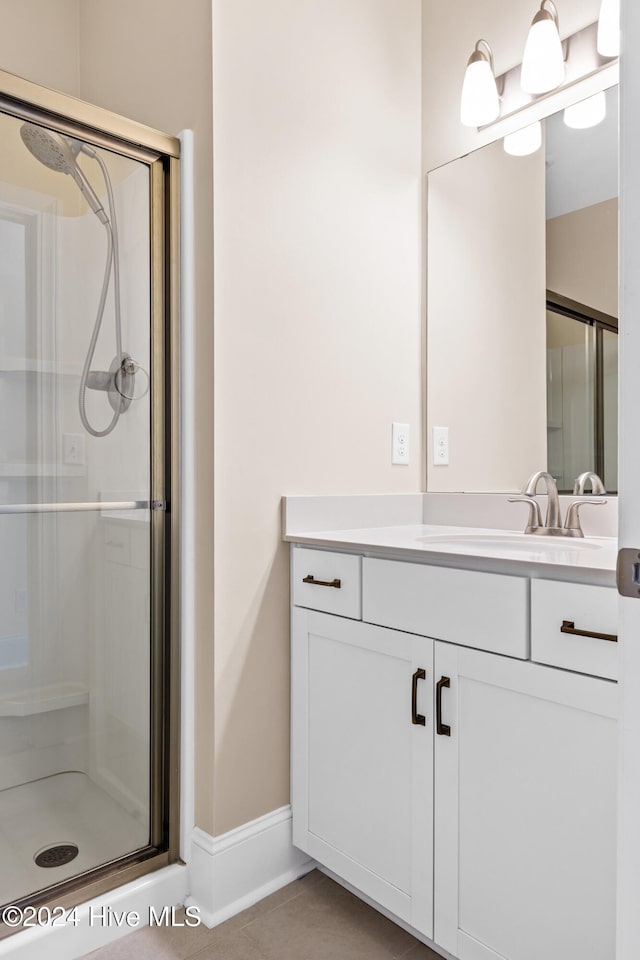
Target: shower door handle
[[7, 509]]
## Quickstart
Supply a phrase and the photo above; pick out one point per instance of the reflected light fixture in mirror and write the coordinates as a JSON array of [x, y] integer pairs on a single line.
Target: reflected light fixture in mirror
[[543, 60], [480, 103], [609, 29], [586, 113], [524, 142]]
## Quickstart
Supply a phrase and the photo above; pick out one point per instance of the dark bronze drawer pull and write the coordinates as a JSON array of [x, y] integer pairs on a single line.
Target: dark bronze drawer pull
[[568, 626], [442, 729], [417, 718], [322, 583]]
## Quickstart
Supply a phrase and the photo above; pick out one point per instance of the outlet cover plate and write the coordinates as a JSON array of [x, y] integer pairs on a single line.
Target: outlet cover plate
[[441, 446], [400, 443]]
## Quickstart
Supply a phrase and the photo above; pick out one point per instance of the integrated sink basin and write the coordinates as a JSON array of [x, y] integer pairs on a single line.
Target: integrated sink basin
[[525, 543], [591, 553]]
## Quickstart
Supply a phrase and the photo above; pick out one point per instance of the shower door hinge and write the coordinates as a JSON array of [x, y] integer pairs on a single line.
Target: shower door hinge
[[158, 504], [628, 572]]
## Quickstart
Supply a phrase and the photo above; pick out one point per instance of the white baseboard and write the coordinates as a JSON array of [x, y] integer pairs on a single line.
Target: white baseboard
[[234, 871], [97, 923]]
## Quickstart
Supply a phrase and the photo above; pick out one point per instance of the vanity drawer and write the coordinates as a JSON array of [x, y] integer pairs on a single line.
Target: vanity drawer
[[484, 610], [325, 581], [591, 609]]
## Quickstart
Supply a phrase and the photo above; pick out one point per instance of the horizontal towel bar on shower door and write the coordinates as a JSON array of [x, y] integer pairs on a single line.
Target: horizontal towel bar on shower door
[[100, 505]]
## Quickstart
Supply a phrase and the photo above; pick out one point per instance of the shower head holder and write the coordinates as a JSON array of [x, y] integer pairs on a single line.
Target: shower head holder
[[119, 382]]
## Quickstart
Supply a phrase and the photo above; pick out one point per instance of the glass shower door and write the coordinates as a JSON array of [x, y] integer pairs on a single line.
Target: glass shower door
[[570, 398], [582, 398], [77, 734]]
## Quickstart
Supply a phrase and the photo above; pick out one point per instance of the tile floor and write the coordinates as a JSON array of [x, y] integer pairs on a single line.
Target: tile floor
[[311, 919]]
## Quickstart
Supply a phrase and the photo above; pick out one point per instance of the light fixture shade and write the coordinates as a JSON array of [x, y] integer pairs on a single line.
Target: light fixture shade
[[524, 142], [543, 60], [480, 103], [609, 29], [587, 113]]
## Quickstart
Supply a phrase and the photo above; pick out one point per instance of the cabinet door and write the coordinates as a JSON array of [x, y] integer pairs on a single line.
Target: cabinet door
[[362, 770], [525, 811]]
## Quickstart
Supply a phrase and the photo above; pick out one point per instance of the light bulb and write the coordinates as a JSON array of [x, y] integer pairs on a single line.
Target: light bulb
[[480, 103], [609, 29], [524, 142], [543, 60], [587, 113]]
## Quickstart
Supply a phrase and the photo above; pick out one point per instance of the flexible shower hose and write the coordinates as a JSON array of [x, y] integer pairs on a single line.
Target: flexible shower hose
[[112, 262]]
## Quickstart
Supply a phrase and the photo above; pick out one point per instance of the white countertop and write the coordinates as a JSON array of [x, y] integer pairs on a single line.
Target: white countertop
[[588, 560]]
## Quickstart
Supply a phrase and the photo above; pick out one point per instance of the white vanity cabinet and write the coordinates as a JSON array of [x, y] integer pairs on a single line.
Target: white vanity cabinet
[[525, 811], [490, 828], [362, 772]]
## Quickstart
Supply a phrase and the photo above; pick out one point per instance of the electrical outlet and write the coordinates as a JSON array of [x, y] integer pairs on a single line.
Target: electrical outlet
[[400, 443], [73, 449], [441, 446]]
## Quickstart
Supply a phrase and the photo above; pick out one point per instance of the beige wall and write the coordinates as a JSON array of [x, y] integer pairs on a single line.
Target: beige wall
[[39, 41], [486, 344], [582, 256], [318, 349]]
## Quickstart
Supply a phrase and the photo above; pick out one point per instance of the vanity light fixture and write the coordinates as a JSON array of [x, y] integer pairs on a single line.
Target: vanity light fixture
[[586, 113], [524, 142], [550, 76], [609, 29], [480, 103], [543, 60]]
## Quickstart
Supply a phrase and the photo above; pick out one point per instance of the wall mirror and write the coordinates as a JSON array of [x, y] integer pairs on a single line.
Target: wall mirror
[[522, 310]]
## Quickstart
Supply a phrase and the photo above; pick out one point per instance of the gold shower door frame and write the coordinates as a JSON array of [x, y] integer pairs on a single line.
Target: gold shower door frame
[[160, 153]]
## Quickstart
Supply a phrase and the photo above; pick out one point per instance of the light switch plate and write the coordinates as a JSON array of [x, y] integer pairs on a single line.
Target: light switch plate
[[400, 443], [441, 446]]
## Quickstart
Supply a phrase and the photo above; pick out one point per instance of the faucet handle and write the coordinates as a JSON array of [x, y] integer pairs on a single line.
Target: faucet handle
[[535, 517], [572, 522]]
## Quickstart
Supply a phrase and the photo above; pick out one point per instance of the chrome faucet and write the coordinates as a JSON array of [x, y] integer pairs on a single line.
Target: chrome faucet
[[553, 522], [597, 486]]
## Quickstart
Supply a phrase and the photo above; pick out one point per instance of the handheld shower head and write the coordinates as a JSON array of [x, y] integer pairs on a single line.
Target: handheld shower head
[[59, 153], [51, 149]]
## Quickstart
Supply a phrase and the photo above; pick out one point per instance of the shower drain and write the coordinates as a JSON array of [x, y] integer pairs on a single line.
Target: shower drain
[[57, 855]]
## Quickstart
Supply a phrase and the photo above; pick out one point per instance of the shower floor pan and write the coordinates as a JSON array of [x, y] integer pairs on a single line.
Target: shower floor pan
[[67, 808]]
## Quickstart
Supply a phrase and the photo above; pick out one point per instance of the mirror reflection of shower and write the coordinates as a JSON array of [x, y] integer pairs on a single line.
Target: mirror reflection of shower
[[60, 153]]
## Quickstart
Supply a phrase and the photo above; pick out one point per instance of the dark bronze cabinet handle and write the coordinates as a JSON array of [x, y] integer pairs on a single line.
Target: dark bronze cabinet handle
[[417, 718], [322, 583], [568, 626], [442, 729]]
